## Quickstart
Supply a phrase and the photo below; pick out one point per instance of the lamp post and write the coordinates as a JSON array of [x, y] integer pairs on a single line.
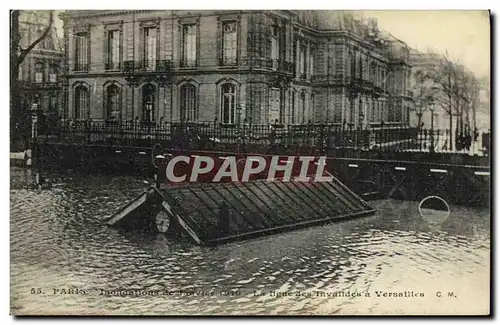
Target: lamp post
[[432, 126]]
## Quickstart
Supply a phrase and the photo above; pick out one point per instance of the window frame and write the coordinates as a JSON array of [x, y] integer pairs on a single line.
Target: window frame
[[148, 64], [234, 48], [81, 113], [113, 53], [188, 112], [193, 62], [151, 116], [39, 75], [53, 71], [233, 101], [118, 97], [82, 64]]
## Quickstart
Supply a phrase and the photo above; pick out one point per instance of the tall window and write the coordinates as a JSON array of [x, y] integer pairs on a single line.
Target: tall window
[[360, 64], [353, 63], [384, 79], [53, 71], [275, 105], [81, 102], [81, 52], [114, 49], [312, 107], [373, 73], [189, 111], [148, 103], [292, 110], [53, 102], [303, 107], [302, 61], [48, 43], [275, 46], [189, 45], [374, 111], [39, 72], [229, 47], [311, 60], [150, 48], [113, 103], [228, 103]]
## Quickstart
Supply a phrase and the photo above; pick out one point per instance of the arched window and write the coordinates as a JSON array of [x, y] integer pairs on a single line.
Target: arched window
[[81, 102], [189, 109], [228, 103], [53, 71], [113, 103], [148, 103], [39, 72]]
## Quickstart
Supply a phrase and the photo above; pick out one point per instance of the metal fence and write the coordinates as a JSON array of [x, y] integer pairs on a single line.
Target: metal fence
[[312, 136]]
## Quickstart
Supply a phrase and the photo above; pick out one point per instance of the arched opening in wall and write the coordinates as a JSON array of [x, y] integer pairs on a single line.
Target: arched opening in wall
[[228, 103], [81, 102], [148, 103], [113, 103], [188, 101]]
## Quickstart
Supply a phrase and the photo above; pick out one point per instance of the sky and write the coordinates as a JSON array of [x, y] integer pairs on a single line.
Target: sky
[[465, 35]]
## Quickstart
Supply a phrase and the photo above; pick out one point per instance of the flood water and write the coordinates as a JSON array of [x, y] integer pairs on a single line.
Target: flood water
[[59, 242]]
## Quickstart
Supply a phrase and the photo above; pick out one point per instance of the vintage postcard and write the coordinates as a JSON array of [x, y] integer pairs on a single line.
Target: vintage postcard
[[250, 162]]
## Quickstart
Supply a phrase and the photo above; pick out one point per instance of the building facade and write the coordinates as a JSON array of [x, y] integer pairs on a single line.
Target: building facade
[[40, 72], [260, 67]]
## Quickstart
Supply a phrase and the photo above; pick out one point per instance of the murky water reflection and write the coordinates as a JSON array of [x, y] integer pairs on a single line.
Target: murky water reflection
[[59, 241]]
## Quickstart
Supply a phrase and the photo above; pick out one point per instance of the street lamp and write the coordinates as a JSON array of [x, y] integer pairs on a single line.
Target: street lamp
[[432, 126]]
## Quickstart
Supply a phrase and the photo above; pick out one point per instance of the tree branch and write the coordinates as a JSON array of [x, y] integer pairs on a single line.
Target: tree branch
[[46, 32]]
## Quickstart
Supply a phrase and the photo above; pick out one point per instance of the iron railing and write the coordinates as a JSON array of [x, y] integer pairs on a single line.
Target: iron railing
[[309, 136], [131, 67]]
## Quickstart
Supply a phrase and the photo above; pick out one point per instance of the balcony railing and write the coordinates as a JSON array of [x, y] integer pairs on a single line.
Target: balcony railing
[[228, 62], [81, 67], [270, 64], [131, 67], [112, 66], [42, 85], [187, 63]]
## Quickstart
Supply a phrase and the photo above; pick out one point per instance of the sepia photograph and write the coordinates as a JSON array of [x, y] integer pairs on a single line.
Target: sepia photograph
[[250, 162]]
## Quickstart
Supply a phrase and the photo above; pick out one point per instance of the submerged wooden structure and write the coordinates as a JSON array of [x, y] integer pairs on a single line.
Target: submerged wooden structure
[[216, 213]]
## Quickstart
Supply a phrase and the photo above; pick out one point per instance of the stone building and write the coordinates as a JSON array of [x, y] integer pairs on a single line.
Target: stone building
[[234, 66], [40, 72]]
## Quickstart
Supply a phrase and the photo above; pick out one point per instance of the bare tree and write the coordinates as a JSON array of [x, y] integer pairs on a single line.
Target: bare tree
[[424, 92], [19, 115], [457, 92]]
